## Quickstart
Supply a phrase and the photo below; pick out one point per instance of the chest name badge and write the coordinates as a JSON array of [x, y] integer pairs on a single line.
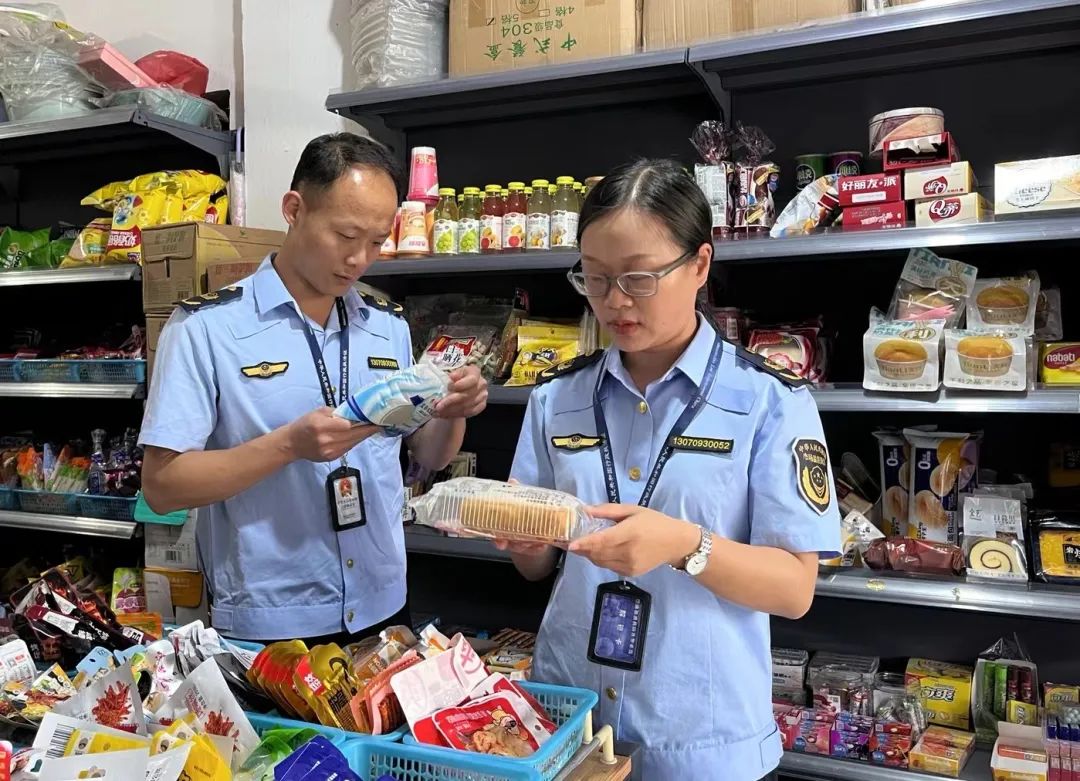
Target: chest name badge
[[703, 444], [382, 363], [812, 473], [265, 370], [575, 442]]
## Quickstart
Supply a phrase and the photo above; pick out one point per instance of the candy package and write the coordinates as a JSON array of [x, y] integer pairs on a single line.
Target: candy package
[[994, 537], [903, 355], [986, 359], [816, 206], [1004, 676], [399, 402], [1008, 302], [541, 347], [932, 288], [471, 506]]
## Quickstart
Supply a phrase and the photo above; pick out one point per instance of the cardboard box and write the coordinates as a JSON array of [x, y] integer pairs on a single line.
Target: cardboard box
[[939, 181], [219, 275], [186, 586], [499, 35], [667, 24], [176, 257], [1019, 754], [171, 547], [920, 152], [869, 188], [874, 216], [944, 690], [1026, 186], [955, 210], [942, 751], [155, 324]]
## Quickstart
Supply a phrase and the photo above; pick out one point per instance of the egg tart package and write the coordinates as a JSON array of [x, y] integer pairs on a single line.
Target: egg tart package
[[1005, 302], [932, 288], [943, 466], [994, 537], [903, 355], [1055, 547], [986, 359], [475, 507]]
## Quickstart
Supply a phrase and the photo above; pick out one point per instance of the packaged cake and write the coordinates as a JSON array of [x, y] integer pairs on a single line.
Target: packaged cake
[[986, 360], [903, 355], [943, 465], [1008, 302], [932, 288]]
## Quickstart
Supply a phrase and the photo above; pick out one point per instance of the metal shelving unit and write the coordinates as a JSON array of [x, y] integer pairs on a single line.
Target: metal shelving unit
[[91, 527], [67, 276], [61, 390], [551, 260], [814, 767]]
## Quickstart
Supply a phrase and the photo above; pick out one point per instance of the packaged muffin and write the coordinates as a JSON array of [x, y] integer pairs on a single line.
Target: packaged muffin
[[986, 360], [943, 465], [1007, 301], [932, 288], [903, 355]]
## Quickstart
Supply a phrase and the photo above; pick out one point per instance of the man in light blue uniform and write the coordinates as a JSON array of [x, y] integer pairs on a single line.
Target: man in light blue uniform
[[239, 420], [744, 469]]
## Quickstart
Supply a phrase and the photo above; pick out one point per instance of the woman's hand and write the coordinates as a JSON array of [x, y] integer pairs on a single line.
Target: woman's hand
[[641, 540]]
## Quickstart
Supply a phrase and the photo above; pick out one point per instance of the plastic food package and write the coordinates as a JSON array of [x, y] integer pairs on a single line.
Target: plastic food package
[[895, 480], [856, 534], [175, 70], [1008, 302], [903, 355], [842, 683], [16, 246], [453, 346], [502, 725], [986, 360], [325, 680], [1004, 676], [399, 402], [112, 701], [906, 555], [944, 690], [944, 465], [541, 347], [792, 351], [398, 41], [207, 696], [89, 248], [816, 206], [932, 288], [1055, 543], [994, 537], [471, 506], [1048, 327]]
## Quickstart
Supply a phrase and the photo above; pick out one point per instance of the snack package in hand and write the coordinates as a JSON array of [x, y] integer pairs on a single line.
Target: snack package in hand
[[933, 288], [472, 506], [399, 402]]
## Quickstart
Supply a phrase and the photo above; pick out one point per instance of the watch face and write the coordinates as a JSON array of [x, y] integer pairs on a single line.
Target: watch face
[[696, 564]]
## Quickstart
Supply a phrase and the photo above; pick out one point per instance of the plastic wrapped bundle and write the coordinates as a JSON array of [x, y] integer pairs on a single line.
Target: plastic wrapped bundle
[[399, 402], [471, 506], [398, 41]]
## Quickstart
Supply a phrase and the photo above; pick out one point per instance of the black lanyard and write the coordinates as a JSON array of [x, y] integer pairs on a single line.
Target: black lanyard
[[320, 365], [688, 414]]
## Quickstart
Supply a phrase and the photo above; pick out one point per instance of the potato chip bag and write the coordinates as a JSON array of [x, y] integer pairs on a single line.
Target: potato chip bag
[[16, 246], [132, 214], [541, 347]]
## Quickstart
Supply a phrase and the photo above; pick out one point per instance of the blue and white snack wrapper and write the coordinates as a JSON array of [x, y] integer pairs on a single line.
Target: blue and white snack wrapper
[[400, 402]]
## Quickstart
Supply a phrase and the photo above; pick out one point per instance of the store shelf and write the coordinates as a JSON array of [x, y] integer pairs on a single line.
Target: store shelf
[[68, 276], [899, 40], [850, 397], [92, 527], [61, 390], [1023, 599], [814, 767], [107, 129], [838, 242], [552, 260], [420, 539]]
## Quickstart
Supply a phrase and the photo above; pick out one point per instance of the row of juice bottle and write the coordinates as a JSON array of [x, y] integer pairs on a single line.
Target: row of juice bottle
[[512, 219]]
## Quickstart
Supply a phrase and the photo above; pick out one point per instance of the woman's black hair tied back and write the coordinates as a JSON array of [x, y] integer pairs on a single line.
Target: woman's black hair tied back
[[658, 187]]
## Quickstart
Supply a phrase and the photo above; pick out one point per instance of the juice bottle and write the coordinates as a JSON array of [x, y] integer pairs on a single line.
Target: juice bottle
[[551, 189], [413, 241], [469, 222], [514, 221], [539, 216], [444, 233], [491, 220], [590, 183], [579, 192], [564, 214]]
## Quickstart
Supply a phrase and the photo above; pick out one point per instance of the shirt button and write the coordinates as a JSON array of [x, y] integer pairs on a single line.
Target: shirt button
[[349, 616], [635, 473], [612, 694], [349, 563], [642, 407]]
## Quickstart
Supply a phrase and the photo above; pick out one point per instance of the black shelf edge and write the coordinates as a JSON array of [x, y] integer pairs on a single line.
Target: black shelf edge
[[549, 260]]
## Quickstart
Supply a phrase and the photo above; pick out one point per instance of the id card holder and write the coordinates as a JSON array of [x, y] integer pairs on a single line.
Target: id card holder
[[346, 495], [619, 627]]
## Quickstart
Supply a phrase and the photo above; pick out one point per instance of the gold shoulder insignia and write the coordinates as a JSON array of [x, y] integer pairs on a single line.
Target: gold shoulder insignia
[[566, 367], [265, 370], [383, 305], [226, 294], [575, 442], [771, 367]]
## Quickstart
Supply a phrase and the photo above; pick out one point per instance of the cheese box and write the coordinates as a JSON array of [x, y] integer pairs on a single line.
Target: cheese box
[[1059, 363], [874, 216], [939, 181], [966, 209], [920, 151], [869, 188], [1025, 186]]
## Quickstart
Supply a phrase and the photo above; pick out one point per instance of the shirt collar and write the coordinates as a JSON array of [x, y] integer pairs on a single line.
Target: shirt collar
[[691, 364], [271, 293]]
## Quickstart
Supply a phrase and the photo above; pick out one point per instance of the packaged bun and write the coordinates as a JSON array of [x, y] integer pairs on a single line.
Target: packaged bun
[[903, 355], [932, 288], [471, 506], [986, 359]]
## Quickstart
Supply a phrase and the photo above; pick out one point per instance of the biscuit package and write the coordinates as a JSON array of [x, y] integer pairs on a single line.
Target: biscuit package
[[1005, 302], [994, 537], [943, 466], [474, 507], [903, 355], [932, 288], [986, 360]]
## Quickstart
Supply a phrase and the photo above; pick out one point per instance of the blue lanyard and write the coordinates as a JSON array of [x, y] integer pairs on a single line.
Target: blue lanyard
[[320, 365], [688, 414]]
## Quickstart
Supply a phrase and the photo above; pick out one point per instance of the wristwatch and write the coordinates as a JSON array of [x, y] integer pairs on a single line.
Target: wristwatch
[[697, 561]]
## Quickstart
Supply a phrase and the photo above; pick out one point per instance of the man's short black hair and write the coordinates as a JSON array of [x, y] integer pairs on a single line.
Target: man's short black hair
[[327, 158]]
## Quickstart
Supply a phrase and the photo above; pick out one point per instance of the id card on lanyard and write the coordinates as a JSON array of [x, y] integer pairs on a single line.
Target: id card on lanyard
[[621, 612], [344, 489]]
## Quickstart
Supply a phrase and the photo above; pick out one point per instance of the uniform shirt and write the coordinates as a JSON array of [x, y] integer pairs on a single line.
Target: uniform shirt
[[701, 704], [275, 566]]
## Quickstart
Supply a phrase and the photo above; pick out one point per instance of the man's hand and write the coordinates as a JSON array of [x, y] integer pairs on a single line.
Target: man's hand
[[641, 540], [323, 436], [467, 395]]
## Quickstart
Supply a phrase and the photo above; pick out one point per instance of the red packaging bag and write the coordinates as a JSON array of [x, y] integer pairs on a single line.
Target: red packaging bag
[[176, 70], [501, 725]]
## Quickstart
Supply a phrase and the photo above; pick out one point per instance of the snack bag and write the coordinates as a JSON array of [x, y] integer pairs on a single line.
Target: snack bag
[[136, 211], [816, 206], [994, 537], [986, 359], [454, 346], [541, 347], [399, 402], [895, 480], [932, 288], [502, 725], [16, 246], [128, 594], [206, 695], [1008, 302], [472, 506], [325, 680], [112, 701], [944, 465], [316, 759]]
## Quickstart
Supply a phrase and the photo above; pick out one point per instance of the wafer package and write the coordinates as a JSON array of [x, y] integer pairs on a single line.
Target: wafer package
[[471, 506]]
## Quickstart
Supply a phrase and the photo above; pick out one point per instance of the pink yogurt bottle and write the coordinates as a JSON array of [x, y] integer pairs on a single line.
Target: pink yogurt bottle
[[423, 176]]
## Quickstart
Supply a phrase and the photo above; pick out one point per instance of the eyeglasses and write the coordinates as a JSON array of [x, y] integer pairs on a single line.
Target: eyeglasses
[[637, 284]]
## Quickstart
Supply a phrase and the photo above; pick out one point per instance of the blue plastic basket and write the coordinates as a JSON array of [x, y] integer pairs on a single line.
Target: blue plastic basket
[[7, 371], [412, 761], [339, 737], [9, 499], [109, 508], [96, 372], [46, 503]]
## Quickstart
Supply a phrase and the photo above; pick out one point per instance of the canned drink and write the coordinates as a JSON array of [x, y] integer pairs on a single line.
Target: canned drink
[[847, 163], [808, 169]]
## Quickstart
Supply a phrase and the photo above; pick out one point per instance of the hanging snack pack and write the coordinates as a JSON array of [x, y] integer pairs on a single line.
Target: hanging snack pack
[[994, 537], [399, 402], [1006, 302], [541, 347], [903, 355], [932, 288], [986, 359], [943, 466], [471, 506]]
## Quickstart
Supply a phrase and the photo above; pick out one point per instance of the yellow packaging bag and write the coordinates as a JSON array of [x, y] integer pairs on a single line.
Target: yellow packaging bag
[[89, 248], [133, 213], [89, 742], [204, 763], [325, 680], [542, 347]]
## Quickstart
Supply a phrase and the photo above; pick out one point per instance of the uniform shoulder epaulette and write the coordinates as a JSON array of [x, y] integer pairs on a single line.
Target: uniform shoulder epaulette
[[383, 305], [223, 296], [566, 367], [771, 367]]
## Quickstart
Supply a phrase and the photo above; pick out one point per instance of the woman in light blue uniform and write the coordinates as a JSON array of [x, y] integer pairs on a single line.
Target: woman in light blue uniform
[[711, 462]]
